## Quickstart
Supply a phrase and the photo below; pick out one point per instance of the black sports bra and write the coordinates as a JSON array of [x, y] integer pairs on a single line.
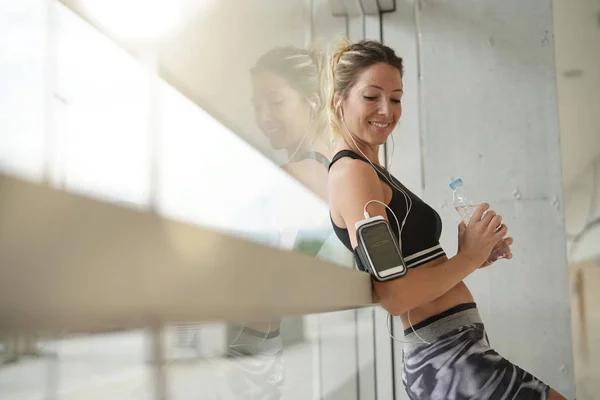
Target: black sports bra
[[423, 227]]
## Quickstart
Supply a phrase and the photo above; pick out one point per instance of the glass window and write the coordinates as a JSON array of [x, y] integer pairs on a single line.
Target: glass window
[[22, 87], [102, 116]]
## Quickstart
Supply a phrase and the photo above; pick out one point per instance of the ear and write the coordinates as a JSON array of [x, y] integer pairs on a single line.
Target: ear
[[337, 100]]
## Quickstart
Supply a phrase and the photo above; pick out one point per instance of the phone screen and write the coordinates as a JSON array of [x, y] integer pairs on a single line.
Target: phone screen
[[379, 242]]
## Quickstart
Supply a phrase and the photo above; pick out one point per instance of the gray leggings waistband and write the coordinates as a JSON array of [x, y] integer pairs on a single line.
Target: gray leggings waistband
[[441, 327]]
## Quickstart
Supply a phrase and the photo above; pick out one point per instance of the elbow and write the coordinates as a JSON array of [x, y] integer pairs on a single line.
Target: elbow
[[395, 307], [391, 298]]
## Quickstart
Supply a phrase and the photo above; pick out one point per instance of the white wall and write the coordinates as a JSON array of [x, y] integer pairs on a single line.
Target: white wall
[[490, 116]]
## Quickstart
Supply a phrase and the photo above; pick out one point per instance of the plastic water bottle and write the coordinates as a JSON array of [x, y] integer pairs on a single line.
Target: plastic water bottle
[[464, 200]]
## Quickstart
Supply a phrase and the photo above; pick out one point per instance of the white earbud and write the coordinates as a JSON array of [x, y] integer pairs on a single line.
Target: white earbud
[[339, 105], [313, 104]]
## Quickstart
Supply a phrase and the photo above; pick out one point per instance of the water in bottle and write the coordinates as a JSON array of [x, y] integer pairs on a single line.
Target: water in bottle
[[464, 201]]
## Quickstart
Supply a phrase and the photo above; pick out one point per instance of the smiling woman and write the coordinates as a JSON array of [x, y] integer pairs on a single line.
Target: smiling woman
[[446, 353]]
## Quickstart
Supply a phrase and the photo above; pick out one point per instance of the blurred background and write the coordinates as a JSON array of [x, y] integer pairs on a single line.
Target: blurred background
[[164, 228]]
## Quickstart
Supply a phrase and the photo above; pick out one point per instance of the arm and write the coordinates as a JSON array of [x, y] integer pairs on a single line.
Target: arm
[[353, 183]]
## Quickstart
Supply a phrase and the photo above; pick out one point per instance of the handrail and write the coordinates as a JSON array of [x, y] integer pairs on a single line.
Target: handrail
[[71, 263]]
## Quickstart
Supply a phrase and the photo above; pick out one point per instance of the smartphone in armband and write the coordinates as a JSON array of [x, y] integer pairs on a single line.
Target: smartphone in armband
[[377, 251]]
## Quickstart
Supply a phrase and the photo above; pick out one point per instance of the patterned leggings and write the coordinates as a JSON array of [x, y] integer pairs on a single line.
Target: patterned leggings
[[461, 365]]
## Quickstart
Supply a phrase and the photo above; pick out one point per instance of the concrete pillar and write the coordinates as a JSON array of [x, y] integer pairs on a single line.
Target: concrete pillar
[[489, 115]]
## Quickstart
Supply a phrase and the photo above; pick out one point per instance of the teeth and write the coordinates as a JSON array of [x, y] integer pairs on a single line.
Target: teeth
[[379, 125]]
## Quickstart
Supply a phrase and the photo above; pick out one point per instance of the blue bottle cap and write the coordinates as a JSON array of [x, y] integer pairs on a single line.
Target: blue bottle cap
[[455, 183]]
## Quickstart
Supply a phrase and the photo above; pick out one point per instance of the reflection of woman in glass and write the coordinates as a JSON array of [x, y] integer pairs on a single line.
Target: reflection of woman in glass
[[289, 110]]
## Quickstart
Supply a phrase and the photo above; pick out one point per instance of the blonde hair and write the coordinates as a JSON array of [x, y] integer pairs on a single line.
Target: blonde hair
[[305, 71], [348, 61]]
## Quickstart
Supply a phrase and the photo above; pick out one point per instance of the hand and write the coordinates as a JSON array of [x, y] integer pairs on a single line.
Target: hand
[[501, 250], [477, 240]]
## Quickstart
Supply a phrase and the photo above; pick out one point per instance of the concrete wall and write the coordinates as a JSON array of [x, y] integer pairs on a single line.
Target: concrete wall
[[489, 115]]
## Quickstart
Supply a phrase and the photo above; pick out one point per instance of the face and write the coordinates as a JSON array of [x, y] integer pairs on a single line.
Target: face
[[373, 105], [281, 112]]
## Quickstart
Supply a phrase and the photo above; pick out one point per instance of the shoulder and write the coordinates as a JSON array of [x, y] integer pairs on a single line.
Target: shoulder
[[349, 170], [352, 180]]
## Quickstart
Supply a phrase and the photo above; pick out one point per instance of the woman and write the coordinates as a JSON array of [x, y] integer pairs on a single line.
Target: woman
[[448, 355]]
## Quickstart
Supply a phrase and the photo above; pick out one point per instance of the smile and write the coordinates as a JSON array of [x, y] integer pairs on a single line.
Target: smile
[[379, 124]]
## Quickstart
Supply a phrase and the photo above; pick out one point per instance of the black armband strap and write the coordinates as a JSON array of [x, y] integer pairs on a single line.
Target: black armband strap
[[360, 259]]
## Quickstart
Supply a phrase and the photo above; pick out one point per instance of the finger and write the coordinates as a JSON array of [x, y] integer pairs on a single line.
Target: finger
[[504, 250], [503, 244], [496, 223], [461, 228], [506, 246], [498, 246], [494, 258], [488, 216], [500, 233], [479, 212]]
